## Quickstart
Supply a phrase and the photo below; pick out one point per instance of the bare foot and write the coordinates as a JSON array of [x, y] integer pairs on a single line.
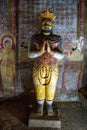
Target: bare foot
[[50, 110], [40, 110]]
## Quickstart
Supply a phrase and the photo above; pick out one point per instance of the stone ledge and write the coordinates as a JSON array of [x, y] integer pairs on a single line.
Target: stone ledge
[[44, 123]]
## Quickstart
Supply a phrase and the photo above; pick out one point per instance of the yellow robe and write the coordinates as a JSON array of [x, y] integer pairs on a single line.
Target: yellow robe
[[45, 76], [8, 69]]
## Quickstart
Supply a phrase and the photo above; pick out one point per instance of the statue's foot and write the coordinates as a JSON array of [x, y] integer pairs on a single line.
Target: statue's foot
[[40, 110], [50, 110]]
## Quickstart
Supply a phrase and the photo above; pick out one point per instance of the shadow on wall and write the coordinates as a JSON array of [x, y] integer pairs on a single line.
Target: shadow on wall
[[26, 78]]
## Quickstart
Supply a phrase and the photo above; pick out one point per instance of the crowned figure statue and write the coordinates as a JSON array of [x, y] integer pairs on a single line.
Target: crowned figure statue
[[46, 49]]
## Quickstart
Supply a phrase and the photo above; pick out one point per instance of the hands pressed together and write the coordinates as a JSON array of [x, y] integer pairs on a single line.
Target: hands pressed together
[[45, 47]]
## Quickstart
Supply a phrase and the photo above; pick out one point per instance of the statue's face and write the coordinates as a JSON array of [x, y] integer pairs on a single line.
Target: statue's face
[[7, 44], [46, 26]]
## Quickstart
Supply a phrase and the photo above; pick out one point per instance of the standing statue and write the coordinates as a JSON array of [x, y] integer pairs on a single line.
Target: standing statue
[[46, 48]]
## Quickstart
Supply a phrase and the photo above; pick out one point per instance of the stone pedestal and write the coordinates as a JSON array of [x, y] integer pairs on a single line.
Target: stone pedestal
[[45, 121]]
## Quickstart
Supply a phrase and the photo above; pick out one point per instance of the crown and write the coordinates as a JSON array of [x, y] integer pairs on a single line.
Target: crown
[[47, 14]]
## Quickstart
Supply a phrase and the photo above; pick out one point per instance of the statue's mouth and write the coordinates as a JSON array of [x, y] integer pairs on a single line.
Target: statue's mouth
[[46, 31]]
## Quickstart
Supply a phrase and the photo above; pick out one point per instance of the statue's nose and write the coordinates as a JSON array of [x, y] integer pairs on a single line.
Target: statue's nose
[[46, 24]]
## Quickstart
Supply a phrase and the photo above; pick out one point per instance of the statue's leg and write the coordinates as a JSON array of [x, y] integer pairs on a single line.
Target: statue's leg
[[50, 111], [40, 95], [50, 93], [40, 107]]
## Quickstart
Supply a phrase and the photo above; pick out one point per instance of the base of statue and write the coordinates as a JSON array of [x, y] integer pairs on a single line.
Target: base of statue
[[45, 121]]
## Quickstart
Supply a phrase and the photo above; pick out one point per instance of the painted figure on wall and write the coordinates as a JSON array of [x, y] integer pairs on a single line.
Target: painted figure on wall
[[7, 65], [46, 48]]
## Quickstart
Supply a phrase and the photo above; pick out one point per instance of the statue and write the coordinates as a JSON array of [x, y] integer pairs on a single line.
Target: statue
[[46, 48], [7, 65]]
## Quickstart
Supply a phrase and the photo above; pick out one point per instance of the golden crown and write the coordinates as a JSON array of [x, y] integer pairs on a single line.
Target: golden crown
[[47, 14]]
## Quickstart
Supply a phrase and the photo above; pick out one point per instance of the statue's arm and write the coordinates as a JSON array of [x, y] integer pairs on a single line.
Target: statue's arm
[[58, 55], [36, 53], [55, 54]]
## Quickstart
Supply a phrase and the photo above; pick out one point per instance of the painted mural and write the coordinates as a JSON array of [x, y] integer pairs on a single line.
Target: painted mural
[[3, 16], [70, 27], [69, 24], [65, 23], [7, 64], [8, 84]]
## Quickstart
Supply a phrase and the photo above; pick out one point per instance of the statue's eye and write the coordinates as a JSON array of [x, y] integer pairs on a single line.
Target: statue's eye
[[49, 23], [43, 23]]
